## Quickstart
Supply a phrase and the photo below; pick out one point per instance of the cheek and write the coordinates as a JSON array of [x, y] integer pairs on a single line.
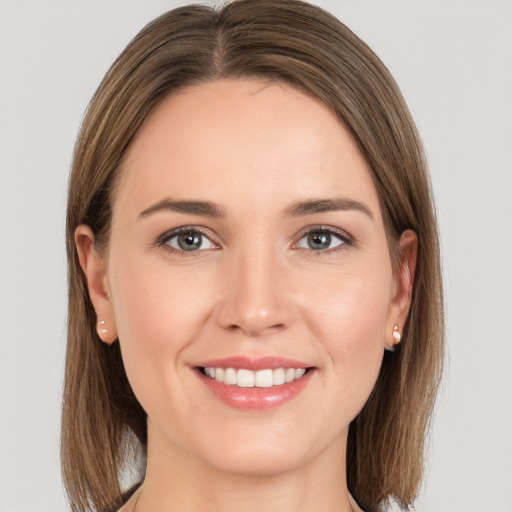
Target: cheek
[[349, 306], [156, 302], [349, 321], [158, 314]]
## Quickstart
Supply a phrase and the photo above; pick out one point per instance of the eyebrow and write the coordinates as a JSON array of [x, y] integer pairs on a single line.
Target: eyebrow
[[326, 205], [204, 208], [209, 209]]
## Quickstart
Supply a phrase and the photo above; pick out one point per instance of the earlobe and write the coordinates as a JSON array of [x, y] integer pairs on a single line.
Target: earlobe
[[95, 270], [402, 295]]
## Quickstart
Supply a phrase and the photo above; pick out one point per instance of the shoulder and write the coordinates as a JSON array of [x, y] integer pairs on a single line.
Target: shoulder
[[127, 499]]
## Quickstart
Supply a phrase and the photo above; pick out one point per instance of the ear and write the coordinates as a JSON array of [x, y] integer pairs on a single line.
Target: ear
[[403, 285], [94, 268]]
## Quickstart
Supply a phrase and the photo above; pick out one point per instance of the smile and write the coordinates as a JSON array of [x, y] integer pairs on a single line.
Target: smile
[[245, 378], [255, 384]]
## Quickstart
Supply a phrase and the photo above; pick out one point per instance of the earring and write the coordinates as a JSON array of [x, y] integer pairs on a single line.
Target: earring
[[101, 327], [397, 337]]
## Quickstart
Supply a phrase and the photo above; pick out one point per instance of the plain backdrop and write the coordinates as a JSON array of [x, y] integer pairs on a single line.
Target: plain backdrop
[[453, 61]]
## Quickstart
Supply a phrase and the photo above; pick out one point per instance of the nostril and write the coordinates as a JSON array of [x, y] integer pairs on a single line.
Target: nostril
[[261, 329], [248, 314]]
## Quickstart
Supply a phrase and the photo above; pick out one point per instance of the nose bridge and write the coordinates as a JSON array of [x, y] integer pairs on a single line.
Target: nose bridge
[[254, 301]]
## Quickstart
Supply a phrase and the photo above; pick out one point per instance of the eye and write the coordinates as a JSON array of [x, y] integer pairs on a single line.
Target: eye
[[188, 240], [321, 240]]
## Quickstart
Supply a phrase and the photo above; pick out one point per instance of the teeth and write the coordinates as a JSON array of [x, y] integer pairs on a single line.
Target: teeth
[[248, 379], [264, 379], [230, 376], [299, 372], [245, 379], [279, 377]]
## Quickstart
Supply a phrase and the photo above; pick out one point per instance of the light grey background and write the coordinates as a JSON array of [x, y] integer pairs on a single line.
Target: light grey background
[[453, 60]]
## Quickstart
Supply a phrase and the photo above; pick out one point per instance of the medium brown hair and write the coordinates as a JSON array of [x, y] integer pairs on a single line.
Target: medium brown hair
[[296, 43]]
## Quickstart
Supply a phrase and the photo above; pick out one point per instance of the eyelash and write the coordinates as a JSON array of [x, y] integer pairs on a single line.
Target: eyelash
[[163, 240], [346, 239]]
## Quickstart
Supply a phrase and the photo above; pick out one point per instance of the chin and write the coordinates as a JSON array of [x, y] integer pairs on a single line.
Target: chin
[[265, 451], [257, 463]]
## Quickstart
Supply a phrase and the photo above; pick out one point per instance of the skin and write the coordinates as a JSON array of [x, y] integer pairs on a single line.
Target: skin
[[255, 288]]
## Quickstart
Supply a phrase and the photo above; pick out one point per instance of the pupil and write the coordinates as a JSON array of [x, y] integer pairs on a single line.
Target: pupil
[[189, 241], [319, 240]]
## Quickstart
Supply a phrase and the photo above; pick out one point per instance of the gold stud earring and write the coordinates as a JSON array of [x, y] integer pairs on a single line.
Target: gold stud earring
[[396, 335], [102, 328]]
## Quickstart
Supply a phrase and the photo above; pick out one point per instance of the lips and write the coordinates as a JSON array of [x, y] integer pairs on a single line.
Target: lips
[[246, 383]]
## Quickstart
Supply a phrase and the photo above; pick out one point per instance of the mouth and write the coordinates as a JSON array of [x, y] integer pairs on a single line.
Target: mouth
[[245, 378], [245, 383]]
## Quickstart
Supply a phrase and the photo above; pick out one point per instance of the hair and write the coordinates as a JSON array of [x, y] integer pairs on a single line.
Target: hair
[[292, 42]]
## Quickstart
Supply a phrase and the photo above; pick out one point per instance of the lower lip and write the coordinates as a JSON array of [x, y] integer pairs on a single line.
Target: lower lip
[[256, 398]]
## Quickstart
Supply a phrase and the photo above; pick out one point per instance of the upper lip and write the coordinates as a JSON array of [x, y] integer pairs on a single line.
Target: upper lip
[[262, 363]]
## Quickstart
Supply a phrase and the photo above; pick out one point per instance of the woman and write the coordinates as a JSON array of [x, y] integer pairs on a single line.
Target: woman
[[250, 226]]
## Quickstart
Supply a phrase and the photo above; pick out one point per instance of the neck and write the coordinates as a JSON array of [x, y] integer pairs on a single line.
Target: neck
[[177, 480]]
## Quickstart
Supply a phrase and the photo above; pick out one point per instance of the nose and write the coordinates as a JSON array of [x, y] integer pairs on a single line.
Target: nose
[[255, 299]]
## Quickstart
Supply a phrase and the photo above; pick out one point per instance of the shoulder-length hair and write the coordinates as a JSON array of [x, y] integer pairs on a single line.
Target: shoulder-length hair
[[299, 44]]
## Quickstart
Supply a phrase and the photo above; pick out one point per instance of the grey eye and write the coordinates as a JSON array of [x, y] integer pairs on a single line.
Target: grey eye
[[320, 240], [190, 241]]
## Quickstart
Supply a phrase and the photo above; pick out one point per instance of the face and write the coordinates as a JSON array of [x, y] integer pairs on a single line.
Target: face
[[247, 244]]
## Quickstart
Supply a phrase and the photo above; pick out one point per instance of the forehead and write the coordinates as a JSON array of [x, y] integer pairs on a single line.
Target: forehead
[[242, 141]]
